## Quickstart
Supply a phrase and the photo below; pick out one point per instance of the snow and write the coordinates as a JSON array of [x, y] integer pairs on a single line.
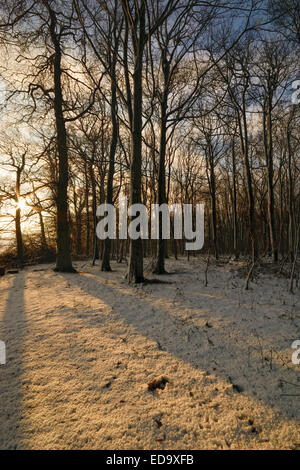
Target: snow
[[82, 349]]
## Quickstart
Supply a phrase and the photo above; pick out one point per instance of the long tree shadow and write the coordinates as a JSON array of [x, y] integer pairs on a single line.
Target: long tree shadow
[[197, 349], [12, 333]]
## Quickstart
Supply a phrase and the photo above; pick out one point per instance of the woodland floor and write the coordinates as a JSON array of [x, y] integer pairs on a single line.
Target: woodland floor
[[82, 349]]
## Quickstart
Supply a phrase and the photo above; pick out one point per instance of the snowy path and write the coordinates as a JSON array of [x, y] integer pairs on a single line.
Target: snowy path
[[82, 348]]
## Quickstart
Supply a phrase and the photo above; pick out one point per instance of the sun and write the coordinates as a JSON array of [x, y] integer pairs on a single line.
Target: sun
[[21, 204]]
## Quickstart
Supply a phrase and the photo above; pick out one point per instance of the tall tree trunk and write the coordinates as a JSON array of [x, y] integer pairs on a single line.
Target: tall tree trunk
[[20, 250], [43, 234], [19, 238], [135, 267], [212, 185], [63, 258], [251, 202], [268, 144], [105, 266], [291, 226], [161, 244], [210, 171], [87, 211], [234, 208], [94, 210]]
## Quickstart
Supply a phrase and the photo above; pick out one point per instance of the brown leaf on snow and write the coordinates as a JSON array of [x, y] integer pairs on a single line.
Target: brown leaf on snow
[[158, 383]]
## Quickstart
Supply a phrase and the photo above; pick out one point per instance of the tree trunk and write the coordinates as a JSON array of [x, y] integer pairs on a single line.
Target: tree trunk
[[251, 202], [213, 202], [290, 198], [94, 210], [87, 211], [268, 145], [19, 238], [161, 244], [105, 266], [210, 171], [63, 258], [135, 267], [43, 234], [234, 208]]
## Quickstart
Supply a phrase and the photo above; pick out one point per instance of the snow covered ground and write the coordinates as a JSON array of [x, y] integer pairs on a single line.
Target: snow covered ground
[[82, 349]]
